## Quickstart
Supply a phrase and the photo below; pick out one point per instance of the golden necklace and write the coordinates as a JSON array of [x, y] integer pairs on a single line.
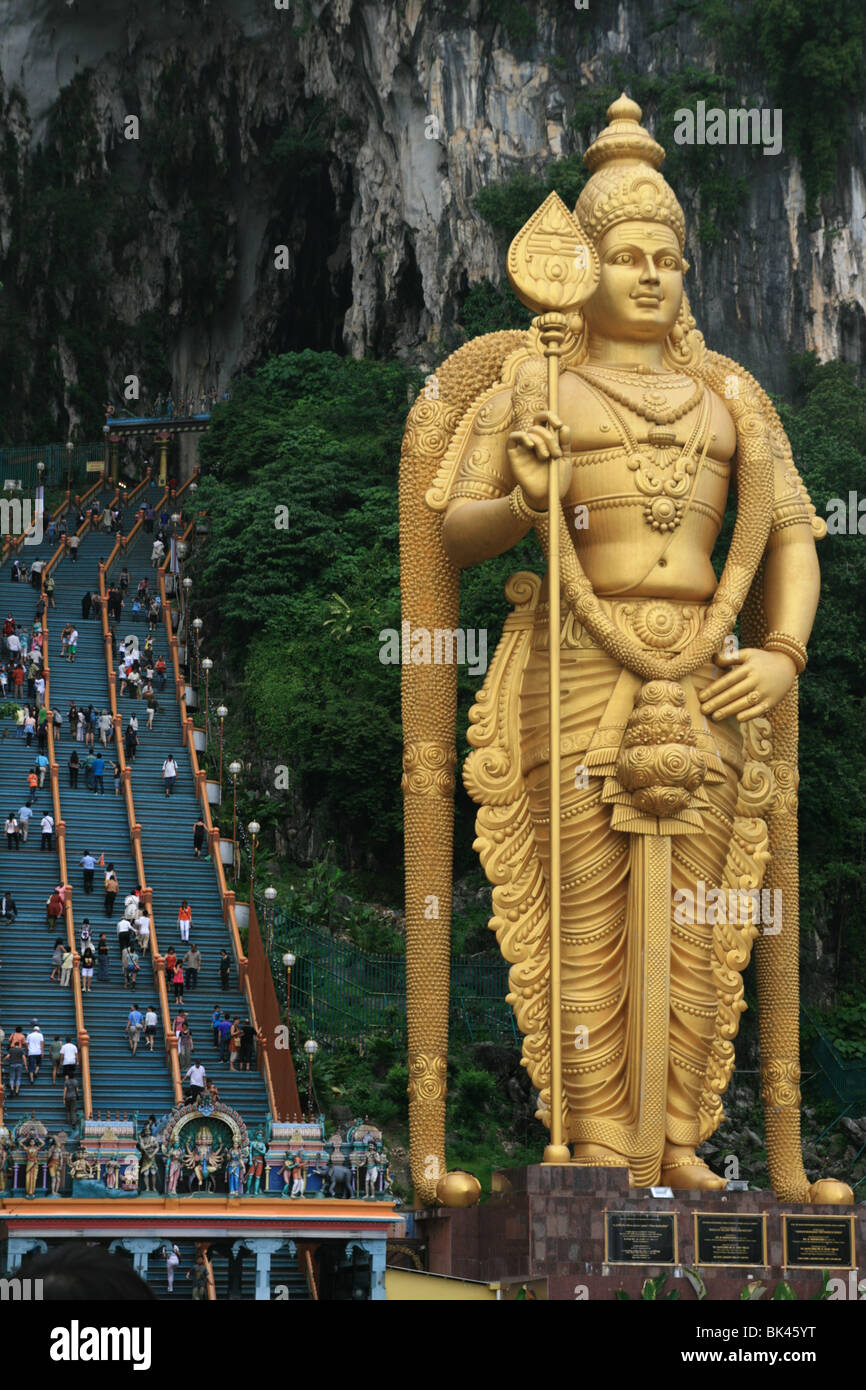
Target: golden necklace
[[654, 406], [666, 495]]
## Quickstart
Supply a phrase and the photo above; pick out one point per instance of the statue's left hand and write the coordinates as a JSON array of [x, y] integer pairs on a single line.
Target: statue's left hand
[[752, 683]]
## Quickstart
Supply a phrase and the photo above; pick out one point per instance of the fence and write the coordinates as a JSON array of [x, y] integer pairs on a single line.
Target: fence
[[19, 462], [346, 994]]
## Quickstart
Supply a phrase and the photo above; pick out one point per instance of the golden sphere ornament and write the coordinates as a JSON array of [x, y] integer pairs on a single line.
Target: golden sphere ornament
[[458, 1189]]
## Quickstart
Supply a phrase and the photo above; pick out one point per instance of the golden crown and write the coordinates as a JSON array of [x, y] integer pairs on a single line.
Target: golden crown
[[625, 183]]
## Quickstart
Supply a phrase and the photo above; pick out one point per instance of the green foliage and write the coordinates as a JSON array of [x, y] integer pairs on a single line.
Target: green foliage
[[515, 17], [813, 53], [319, 434], [298, 153], [845, 1027], [490, 308], [827, 427], [507, 205]]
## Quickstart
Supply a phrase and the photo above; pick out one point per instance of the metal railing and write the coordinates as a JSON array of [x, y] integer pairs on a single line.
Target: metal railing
[[346, 994]]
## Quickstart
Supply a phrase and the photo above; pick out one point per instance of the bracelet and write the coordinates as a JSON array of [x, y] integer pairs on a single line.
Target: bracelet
[[789, 646], [521, 508]]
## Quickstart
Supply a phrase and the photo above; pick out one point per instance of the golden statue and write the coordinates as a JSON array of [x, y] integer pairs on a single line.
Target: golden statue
[[627, 889]]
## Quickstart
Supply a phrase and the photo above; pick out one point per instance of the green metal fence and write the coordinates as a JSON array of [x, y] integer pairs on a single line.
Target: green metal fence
[[19, 462], [845, 1081], [346, 994]]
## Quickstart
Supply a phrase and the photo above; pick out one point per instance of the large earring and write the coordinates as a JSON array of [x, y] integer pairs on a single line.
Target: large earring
[[684, 347]]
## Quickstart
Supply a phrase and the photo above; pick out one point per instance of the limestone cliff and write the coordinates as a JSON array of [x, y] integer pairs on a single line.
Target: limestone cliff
[[357, 133]]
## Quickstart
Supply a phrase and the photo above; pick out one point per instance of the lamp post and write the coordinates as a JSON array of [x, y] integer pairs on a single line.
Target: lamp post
[[187, 585], [197, 625], [234, 769], [221, 712], [270, 896], [288, 962], [253, 829], [208, 665], [311, 1047], [69, 448]]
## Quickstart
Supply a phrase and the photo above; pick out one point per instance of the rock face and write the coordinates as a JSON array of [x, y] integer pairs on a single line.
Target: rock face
[[355, 134]]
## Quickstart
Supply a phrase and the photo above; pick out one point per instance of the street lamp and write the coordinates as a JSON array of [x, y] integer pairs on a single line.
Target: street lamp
[[221, 712], [198, 624], [69, 448], [253, 829], [270, 895], [234, 769], [208, 666], [288, 962], [187, 585], [311, 1047]]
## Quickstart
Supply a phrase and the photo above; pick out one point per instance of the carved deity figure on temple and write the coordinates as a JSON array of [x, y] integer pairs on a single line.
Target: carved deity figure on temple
[[634, 746], [256, 1164], [32, 1147], [56, 1165], [148, 1170]]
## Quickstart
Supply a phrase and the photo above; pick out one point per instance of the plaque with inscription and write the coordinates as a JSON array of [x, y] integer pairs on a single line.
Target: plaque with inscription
[[825, 1241], [640, 1237], [730, 1238]]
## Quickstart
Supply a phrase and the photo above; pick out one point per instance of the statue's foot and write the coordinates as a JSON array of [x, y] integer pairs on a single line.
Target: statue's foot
[[597, 1156], [831, 1192], [684, 1171]]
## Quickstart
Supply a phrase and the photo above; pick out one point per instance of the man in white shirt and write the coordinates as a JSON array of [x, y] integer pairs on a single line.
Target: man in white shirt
[[47, 830], [169, 772], [35, 1046], [196, 1075], [23, 818], [124, 932], [69, 1057], [142, 926], [149, 1027], [39, 687], [13, 642]]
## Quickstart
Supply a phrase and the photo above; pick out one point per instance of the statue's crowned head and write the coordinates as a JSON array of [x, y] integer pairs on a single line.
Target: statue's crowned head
[[632, 218]]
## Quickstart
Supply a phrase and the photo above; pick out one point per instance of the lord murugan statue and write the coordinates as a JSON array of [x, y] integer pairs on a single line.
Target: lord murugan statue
[[611, 430]]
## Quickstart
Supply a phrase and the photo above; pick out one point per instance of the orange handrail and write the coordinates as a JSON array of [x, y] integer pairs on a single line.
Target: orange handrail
[[311, 1277], [227, 895], [157, 960]]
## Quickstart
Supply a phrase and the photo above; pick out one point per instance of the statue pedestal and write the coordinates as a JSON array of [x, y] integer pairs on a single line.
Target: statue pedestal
[[551, 1223]]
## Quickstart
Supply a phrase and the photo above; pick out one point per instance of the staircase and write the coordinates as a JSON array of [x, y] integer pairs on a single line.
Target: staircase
[[98, 824], [30, 875]]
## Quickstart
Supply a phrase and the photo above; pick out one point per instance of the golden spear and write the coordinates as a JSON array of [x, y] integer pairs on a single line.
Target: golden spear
[[553, 269]]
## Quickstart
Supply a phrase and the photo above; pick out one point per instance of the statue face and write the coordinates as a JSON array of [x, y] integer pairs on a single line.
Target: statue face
[[640, 289]]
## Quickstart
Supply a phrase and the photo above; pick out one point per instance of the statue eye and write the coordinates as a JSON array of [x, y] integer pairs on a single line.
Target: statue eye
[[622, 258]]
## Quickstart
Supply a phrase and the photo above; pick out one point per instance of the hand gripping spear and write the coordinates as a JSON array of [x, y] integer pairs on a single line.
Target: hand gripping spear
[[553, 270]]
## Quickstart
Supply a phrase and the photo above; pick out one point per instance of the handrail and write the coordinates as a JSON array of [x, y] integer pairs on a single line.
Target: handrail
[[60, 832], [157, 960], [311, 1277], [227, 895]]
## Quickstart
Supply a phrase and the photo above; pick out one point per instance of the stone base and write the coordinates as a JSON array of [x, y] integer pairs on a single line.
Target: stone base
[[549, 1223]]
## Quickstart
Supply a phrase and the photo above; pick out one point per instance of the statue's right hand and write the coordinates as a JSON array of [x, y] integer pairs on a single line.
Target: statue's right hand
[[533, 452]]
